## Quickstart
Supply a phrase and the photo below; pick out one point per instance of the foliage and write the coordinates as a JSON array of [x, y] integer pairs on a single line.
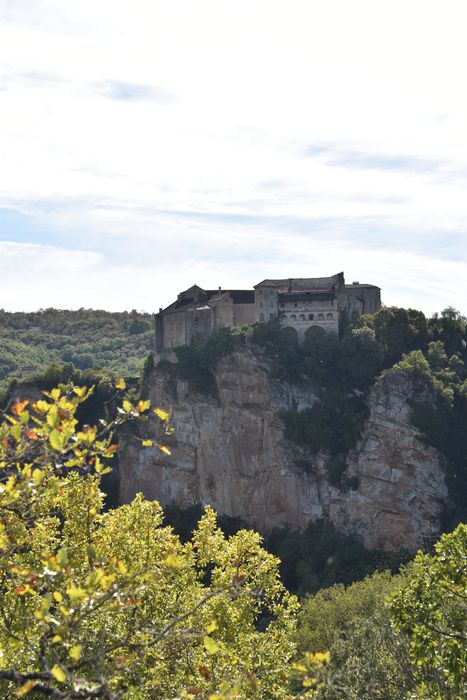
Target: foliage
[[320, 556], [114, 342], [333, 425], [198, 361], [368, 659], [112, 604], [432, 611]]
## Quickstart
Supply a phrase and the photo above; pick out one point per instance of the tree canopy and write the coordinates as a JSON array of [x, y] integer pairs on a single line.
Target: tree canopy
[[112, 604]]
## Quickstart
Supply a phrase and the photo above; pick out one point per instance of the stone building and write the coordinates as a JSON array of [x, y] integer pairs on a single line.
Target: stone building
[[197, 313], [299, 303], [303, 303]]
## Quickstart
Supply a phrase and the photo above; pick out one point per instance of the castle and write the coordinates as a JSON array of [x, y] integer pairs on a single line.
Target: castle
[[298, 303]]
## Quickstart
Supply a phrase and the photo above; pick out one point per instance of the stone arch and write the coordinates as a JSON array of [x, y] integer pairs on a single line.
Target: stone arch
[[290, 335], [314, 332]]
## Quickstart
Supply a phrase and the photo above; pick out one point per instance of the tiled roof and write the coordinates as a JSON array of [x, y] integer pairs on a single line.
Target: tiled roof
[[299, 284]]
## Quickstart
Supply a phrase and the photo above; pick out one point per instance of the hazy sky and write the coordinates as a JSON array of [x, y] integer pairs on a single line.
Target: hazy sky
[[146, 145]]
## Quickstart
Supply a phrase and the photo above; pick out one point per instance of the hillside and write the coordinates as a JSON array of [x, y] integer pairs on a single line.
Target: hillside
[[115, 342]]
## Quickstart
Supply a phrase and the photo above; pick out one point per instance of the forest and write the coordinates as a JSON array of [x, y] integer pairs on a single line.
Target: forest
[[115, 342], [130, 602]]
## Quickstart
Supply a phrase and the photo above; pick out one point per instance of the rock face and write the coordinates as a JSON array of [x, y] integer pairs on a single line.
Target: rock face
[[231, 452]]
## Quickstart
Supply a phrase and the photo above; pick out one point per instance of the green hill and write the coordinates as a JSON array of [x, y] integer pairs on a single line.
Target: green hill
[[116, 342]]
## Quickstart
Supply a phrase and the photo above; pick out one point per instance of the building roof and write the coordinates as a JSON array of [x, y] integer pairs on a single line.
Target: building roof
[[367, 286], [300, 284], [209, 296]]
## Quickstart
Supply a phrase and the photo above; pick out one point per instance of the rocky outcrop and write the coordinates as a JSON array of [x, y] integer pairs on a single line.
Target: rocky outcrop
[[230, 451]]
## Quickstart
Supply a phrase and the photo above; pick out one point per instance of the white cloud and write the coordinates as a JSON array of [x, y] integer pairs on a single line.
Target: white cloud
[[140, 131]]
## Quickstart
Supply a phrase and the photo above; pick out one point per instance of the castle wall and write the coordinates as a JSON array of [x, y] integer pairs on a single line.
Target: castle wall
[[266, 304], [174, 332], [370, 296], [302, 314], [244, 314]]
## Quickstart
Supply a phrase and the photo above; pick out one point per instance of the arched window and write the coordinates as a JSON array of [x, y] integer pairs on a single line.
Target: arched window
[[284, 317], [320, 317], [302, 317], [330, 317], [293, 317], [311, 317]]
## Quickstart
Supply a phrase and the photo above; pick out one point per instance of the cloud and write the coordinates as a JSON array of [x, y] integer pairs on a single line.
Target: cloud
[[342, 157], [125, 91], [224, 142]]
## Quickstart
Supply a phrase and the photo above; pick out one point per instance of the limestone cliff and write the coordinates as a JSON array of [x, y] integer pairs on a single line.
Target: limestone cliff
[[230, 451]]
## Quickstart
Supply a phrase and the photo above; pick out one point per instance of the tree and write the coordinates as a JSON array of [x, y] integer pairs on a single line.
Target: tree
[[368, 659], [432, 611], [98, 604]]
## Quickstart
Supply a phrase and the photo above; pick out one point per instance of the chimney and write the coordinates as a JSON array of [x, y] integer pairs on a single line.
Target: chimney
[[220, 290]]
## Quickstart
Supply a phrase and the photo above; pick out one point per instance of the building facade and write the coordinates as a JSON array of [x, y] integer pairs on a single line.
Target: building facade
[[197, 313], [314, 302], [298, 303]]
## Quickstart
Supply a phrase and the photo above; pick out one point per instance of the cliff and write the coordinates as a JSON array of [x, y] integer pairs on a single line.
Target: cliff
[[230, 451]]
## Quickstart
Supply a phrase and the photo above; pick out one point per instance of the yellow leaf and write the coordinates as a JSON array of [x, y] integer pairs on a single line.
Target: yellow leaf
[[37, 476], [164, 449], [143, 406], [174, 562], [127, 407], [57, 596], [25, 688], [211, 627], [163, 415], [55, 394], [58, 673], [211, 645], [79, 391], [75, 593], [148, 443], [120, 384], [122, 568], [75, 652], [41, 406], [56, 440]]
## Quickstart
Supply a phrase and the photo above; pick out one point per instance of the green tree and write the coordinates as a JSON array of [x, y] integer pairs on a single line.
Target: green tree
[[432, 611], [369, 661], [112, 604]]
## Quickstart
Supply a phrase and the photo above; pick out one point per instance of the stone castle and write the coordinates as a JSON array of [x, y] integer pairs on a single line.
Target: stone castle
[[298, 303]]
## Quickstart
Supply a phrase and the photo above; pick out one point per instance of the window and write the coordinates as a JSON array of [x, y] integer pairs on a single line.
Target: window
[[330, 317], [261, 304], [283, 317], [302, 317], [320, 317], [271, 316], [293, 317], [261, 317], [295, 304], [311, 317]]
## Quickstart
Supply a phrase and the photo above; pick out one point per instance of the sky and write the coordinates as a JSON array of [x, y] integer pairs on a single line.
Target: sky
[[148, 145]]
